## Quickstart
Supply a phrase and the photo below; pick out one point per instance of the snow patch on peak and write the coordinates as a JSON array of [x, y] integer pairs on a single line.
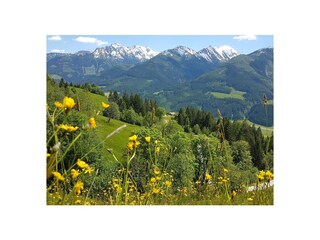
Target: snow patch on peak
[[119, 52], [227, 52], [222, 53], [180, 51]]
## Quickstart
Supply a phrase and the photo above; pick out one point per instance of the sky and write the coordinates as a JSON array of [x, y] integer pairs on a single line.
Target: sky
[[244, 44]]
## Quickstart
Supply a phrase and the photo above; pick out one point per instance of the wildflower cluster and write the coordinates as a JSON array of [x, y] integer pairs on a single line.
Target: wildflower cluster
[[265, 176], [133, 142]]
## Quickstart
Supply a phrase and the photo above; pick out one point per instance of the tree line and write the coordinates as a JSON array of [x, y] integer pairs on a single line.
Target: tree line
[[200, 122]]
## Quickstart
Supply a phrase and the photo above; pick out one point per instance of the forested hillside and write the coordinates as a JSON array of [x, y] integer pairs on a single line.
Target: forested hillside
[[124, 149]]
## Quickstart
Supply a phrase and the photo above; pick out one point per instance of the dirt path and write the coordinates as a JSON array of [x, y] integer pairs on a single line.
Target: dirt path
[[116, 131]]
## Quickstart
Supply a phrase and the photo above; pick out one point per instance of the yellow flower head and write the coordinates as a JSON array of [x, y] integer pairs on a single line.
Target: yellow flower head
[[233, 193], [92, 122], [68, 102], [261, 175], [134, 143], [269, 175], [157, 149], [156, 171], [58, 104], [88, 170], [58, 176], [208, 176], [225, 170], [82, 164], [156, 142], [118, 189], [68, 128], [105, 105], [153, 180], [250, 199], [168, 183], [156, 190], [78, 187], [133, 138], [147, 139], [130, 146], [74, 173]]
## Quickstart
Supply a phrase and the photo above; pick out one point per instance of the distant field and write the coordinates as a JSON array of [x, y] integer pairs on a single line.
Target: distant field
[[266, 131], [233, 94]]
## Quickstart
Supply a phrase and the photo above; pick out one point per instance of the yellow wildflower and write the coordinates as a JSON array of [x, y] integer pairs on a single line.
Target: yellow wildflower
[[156, 142], [78, 187], [118, 189], [82, 164], [77, 201], [68, 102], [105, 105], [134, 143], [157, 149], [261, 175], [133, 138], [168, 183], [233, 193], [147, 139], [58, 176], [156, 190], [74, 173], [58, 104], [153, 180], [68, 128], [130, 146], [269, 175], [225, 170], [250, 199], [208, 176], [88, 170], [158, 178], [156, 171], [92, 122]]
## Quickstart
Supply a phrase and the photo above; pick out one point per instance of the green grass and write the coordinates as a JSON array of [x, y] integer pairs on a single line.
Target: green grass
[[118, 141], [233, 94]]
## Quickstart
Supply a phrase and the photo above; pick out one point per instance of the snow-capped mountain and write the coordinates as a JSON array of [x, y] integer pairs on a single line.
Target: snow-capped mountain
[[119, 52], [210, 54], [181, 63], [223, 53], [181, 51]]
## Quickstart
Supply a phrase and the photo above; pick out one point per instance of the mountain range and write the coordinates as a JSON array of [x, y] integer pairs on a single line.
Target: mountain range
[[211, 79]]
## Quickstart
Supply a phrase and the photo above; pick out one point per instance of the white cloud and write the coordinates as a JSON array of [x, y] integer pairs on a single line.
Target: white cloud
[[57, 51], [90, 40], [245, 37], [54, 38]]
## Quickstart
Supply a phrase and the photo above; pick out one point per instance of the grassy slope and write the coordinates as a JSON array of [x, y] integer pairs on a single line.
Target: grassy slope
[[118, 141], [233, 94]]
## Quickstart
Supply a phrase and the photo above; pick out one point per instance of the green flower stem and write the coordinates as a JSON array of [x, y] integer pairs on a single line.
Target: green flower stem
[[126, 184], [94, 178], [71, 144]]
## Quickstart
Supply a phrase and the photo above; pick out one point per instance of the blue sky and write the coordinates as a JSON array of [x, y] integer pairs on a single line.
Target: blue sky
[[244, 44]]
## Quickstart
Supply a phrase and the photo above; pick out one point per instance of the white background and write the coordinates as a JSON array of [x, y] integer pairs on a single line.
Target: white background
[[24, 29]]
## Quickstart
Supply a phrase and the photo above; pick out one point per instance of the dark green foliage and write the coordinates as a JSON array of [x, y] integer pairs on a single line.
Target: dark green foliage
[[112, 112], [261, 114], [190, 117]]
